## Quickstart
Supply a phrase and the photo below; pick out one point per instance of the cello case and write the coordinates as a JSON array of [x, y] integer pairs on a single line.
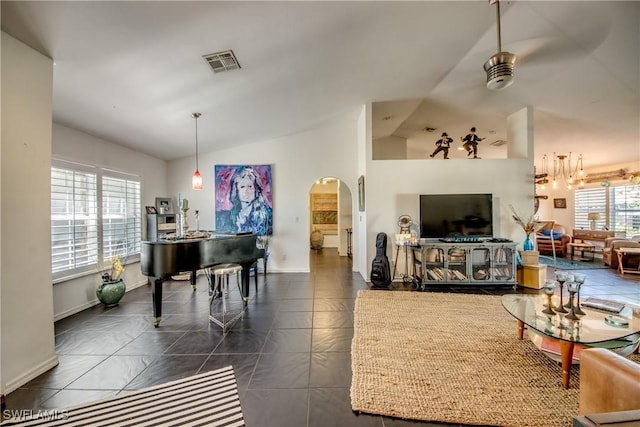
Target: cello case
[[380, 270]]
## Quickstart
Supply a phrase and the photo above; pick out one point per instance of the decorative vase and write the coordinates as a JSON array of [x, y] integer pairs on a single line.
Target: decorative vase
[[110, 293], [528, 243], [317, 239]]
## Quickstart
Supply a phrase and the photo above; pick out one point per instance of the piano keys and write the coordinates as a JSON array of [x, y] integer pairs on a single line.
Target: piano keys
[[161, 259]]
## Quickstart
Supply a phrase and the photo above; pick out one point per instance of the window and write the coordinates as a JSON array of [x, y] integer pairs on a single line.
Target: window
[[95, 215], [619, 208]]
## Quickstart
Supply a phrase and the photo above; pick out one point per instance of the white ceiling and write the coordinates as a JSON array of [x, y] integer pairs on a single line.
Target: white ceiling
[[133, 72]]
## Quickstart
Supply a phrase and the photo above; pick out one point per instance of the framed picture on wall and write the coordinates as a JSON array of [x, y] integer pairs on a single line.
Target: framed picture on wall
[[560, 203]]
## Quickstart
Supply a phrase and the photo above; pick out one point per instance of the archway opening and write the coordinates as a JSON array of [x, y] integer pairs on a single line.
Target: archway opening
[[330, 216]]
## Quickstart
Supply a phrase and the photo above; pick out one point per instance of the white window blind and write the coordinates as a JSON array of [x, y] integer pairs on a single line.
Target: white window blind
[[625, 209], [95, 215], [121, 217], [74, 220], [619, 208], [592, 200]]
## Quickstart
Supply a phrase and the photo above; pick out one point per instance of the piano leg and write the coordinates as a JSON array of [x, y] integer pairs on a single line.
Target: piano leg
[[193, 277], [156, 296], [245, 275]]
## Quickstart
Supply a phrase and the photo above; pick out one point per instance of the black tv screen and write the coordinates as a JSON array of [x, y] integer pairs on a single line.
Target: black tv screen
[[451, 215]]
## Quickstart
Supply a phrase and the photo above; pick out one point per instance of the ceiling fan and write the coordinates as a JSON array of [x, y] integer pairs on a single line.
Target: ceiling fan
[[499, 67]]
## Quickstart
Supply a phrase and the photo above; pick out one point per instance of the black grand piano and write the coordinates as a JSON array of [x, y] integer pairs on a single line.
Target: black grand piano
[[161, 259]]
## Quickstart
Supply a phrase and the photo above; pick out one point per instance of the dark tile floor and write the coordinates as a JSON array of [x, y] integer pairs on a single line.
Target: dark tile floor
[[290, 353]]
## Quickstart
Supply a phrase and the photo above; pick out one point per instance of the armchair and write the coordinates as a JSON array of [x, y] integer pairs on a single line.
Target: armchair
[[608, 382], [550, 236]]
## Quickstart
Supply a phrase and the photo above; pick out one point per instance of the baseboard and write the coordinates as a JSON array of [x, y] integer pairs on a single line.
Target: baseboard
[[36, 371], [92, 303]]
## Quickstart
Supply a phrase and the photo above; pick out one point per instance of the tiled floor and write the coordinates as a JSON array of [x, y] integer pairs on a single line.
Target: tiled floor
[[291, 352]]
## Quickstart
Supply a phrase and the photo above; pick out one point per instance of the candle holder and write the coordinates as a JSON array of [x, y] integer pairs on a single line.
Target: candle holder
[[570, 280], [549, 289], [561, 278], [573, 289], [579, 279]]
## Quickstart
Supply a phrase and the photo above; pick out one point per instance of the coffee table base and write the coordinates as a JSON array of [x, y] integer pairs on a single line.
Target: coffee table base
[[566, 355]]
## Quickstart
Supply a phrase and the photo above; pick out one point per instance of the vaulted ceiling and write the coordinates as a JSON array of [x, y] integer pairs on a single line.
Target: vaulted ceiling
[[133, 72]]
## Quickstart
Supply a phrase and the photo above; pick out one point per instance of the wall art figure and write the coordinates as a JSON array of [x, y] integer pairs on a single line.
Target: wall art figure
[[243, 199]]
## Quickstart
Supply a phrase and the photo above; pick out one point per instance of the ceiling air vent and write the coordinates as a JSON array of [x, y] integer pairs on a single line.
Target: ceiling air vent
[[498, 142], [222, 61]]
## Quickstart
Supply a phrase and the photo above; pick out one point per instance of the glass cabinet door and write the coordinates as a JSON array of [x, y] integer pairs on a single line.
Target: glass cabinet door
[[434, 269], [456, 264], [480, 264], [503, 265]]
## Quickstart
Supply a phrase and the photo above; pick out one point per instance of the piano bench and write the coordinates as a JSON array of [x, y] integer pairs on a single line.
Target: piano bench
[[218, 289]]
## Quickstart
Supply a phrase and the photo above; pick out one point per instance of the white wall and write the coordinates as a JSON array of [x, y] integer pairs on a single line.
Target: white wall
[[345, 218], [74, 295], [297, 162], [27, 346], [393, 186]]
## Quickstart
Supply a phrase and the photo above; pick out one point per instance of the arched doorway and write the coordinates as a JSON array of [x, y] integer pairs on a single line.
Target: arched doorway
[[331, 214]]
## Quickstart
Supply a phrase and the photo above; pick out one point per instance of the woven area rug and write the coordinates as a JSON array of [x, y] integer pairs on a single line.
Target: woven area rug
[[452, 358], [567, 264], [209, 399]]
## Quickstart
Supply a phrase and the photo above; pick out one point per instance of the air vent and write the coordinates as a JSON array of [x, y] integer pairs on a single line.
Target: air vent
[[498, 143], [222, 61]]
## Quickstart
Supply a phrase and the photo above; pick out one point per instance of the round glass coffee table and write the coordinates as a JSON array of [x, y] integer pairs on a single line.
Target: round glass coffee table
[[558, 337]]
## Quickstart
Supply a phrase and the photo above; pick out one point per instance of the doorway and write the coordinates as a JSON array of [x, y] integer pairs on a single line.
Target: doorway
[[330, 215]]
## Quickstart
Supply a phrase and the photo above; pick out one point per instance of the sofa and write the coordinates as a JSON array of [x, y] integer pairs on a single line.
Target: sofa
[[608, 382], [560, 237], [612, 243]]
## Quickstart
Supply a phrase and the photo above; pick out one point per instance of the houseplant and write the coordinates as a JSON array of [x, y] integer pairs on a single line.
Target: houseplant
[[112, 288], [529, 225]]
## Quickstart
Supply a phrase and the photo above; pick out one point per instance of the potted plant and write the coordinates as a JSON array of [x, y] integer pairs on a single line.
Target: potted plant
[[112, 288], [529, 226]]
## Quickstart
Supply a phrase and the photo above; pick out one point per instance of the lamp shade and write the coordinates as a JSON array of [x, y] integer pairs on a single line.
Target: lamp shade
[[197, 180], [593, 216]]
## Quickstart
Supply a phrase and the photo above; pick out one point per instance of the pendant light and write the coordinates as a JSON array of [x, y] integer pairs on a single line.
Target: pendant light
[[197, 178]]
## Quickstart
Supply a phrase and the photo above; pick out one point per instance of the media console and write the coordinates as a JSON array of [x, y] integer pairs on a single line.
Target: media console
[[488, 263]]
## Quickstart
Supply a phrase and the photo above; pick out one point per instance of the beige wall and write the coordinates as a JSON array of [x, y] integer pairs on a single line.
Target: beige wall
[[27, 346]]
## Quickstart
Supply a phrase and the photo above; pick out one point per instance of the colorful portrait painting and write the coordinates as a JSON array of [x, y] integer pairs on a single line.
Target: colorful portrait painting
[[244, 202]]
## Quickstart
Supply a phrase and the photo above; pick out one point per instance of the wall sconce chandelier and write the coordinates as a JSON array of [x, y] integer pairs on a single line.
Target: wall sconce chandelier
[[562, 170], [196, 181]]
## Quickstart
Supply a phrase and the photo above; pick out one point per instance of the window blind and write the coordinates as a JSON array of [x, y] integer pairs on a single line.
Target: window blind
[[619, 208], [121, 217], [95, 215], [74, 220]]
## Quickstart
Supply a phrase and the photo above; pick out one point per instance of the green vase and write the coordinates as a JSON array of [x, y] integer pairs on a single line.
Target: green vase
[[110, 293]]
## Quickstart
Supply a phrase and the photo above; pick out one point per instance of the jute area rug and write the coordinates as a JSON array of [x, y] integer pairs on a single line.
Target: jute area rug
[[452, 358]]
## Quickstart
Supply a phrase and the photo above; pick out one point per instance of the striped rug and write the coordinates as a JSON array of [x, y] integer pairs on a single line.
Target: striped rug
[[209, 399]]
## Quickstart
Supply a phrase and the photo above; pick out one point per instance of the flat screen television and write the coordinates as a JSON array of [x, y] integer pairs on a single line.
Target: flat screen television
[[452, 215]]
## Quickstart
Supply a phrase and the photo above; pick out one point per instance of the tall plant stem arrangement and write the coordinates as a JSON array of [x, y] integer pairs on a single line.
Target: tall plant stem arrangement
[[529, 224]]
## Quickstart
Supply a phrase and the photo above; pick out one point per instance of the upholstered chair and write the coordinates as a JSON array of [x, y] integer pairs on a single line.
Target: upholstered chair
[[554, 231]]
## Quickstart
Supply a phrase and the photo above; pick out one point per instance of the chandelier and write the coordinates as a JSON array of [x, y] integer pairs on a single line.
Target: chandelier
[[562, 171]]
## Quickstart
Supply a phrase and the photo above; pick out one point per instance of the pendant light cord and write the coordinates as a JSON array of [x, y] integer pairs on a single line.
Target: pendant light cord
[[195, 116]]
